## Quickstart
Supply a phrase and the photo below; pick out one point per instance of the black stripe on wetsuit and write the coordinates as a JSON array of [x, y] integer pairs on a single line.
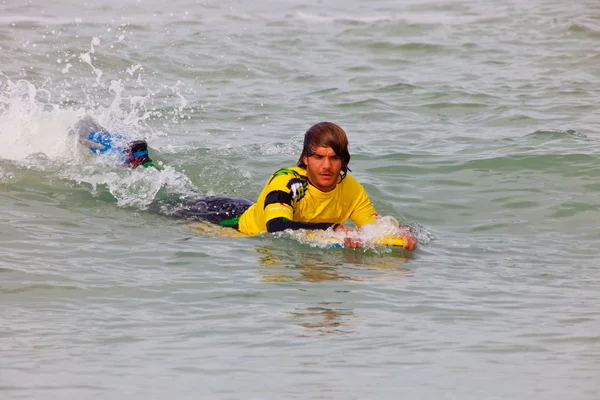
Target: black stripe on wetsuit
[[281, 224]]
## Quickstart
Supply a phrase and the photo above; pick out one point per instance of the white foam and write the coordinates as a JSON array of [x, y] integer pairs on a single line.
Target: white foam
[[34, 132], [132, 187], [29, 126], [369, 235]]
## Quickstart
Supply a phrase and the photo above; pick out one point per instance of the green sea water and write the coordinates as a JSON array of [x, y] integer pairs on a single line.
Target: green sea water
[[475, 123]]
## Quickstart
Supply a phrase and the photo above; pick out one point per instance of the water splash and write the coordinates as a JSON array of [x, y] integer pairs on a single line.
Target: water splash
[[35, 133], [372, 236], [136, 188], [87, 58], [31, 124]]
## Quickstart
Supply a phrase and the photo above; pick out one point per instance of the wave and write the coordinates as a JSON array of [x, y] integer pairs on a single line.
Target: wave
[[350, 20], [581, 29]]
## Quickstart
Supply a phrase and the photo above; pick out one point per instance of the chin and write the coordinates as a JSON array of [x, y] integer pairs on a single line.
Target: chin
[[326, 185]]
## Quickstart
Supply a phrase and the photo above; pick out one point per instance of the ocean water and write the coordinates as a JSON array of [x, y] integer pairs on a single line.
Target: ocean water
[[476, 123]]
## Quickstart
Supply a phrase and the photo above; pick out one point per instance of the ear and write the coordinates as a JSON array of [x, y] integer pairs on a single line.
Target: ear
[[305, 160]]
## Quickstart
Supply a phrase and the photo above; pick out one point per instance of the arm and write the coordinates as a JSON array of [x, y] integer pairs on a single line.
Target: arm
[[364, 213], [281, 224]]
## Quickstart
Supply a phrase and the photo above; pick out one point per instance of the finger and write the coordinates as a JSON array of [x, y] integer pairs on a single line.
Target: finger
[[409, 242], [353, 243]]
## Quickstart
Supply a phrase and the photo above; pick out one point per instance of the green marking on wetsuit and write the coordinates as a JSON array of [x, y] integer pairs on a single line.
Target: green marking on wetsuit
[[297, 184], [285, 171], [230, 222]]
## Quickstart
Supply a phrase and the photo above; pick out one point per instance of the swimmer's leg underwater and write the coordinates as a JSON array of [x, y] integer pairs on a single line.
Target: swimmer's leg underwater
[[218, 210]]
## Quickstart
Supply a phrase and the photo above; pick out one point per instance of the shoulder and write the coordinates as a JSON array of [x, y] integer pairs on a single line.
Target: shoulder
[[350, 181], [290, 180], [285, 174]]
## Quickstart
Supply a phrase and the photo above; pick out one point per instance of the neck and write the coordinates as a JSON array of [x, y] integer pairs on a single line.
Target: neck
[[321, 189]]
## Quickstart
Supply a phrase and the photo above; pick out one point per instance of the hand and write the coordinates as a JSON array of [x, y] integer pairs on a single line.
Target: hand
[[410, 242], [350, 242], [344, 228]]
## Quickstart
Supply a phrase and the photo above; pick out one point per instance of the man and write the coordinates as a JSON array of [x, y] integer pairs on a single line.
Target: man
[[317, 194]]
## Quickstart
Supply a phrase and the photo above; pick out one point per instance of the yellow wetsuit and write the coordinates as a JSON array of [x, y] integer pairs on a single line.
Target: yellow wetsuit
[[288, 196]]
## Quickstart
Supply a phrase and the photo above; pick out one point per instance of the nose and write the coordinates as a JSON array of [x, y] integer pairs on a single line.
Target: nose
[[326, 162]]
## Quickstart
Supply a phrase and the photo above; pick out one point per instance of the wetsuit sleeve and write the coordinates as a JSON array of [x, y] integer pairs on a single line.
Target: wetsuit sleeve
[[279, 199], [281, 224], [364, 212]]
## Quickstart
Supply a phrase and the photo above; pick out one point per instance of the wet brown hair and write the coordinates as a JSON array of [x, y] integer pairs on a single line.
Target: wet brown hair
[[326, 134]]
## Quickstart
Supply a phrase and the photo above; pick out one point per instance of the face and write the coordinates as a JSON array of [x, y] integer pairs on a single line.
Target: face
[[323, 168]]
